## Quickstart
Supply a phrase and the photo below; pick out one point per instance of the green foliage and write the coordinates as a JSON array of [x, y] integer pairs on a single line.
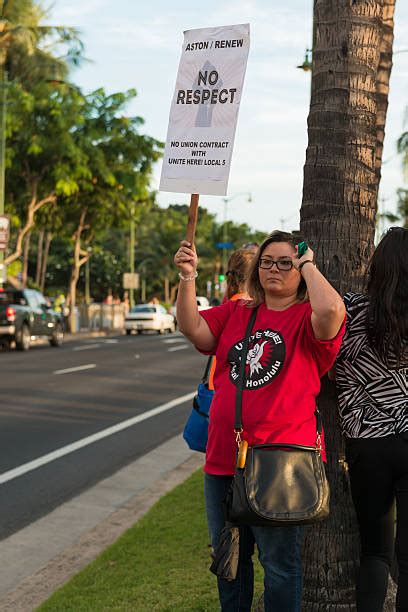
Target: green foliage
[[31, 52], [159, 564]]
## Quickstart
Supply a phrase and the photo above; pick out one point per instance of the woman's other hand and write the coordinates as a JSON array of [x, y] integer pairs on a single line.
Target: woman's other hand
[[186, 258], [307, 256]]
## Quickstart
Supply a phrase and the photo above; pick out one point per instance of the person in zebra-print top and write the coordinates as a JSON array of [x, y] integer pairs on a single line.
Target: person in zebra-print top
[[371, 376]]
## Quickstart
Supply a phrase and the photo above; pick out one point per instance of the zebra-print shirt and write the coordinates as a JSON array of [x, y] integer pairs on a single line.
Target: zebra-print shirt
[[373, 398]]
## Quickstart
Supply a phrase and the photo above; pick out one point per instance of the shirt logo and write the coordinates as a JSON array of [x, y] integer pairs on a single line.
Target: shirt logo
[[264, 360]]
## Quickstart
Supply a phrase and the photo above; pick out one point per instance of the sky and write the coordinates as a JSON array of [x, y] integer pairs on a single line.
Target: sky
[[135, 44]]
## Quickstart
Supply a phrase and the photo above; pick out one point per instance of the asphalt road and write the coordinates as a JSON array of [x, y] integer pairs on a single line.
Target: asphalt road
[[48, 403]]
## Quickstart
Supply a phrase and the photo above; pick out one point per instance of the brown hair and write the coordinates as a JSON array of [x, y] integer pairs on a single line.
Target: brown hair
[[254, 286], [239, 265]]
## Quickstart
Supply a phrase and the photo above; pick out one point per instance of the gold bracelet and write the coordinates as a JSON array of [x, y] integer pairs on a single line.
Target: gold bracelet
[[188, 278]]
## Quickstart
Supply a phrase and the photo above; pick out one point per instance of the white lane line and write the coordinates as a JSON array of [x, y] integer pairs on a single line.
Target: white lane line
[[111, 341], [85, 347], [70, 448], [173, 340], [88, 366], [177, 348]]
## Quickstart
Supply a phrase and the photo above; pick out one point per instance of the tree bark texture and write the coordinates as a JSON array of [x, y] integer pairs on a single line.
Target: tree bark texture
[[383, 79], [338, 211], [34, 205], [26, 256], [340, 182], [80, 257], [39, 256], [46, 250]]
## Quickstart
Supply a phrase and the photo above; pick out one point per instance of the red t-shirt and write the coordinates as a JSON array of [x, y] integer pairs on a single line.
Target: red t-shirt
[[284, 365]]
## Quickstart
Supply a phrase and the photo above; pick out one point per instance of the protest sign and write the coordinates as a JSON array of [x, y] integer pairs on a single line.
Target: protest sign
[[204, 110]]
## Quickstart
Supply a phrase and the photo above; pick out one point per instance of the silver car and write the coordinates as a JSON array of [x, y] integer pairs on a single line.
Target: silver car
[[149, 317]]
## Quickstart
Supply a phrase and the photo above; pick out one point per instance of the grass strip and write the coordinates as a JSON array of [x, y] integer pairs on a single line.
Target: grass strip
[[161, 563]]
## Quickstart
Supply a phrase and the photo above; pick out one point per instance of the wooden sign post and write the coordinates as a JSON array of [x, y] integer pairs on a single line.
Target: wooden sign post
[[192, 218]]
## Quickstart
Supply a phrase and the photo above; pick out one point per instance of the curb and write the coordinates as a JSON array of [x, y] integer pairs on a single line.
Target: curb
[[38, 587]]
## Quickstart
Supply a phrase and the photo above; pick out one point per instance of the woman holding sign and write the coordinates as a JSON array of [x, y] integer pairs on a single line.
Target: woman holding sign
[[295, 339]]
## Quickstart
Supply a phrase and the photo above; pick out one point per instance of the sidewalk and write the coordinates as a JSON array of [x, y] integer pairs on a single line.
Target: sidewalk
[[47, 553]]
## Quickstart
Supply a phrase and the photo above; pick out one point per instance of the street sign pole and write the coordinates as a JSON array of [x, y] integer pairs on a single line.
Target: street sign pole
[[132, 255], [3, 102]]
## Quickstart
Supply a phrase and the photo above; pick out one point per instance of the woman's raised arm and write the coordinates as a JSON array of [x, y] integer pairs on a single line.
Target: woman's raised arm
[[328, 309], [188, 319]]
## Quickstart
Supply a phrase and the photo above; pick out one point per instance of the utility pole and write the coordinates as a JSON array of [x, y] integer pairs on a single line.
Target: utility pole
[[132, 254], [3, 105]]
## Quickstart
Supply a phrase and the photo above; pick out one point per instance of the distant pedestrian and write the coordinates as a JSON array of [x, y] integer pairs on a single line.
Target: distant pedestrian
[[294, 342], [371, 374]]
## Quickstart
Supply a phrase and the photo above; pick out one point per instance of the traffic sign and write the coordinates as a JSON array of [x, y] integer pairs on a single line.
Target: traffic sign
[[4, 232], [224, 245], [131, 280]]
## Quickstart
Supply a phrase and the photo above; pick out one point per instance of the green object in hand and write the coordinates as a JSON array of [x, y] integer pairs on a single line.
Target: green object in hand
[[302, 248]]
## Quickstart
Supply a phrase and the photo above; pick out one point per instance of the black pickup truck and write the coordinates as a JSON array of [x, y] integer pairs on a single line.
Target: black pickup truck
[[24, 314]]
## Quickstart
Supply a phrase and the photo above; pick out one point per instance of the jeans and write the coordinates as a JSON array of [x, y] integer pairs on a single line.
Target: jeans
[[379, 476], [279, 550]]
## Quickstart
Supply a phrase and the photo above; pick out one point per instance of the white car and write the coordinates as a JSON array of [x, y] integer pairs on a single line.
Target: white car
[[149, 317], [202, 304]]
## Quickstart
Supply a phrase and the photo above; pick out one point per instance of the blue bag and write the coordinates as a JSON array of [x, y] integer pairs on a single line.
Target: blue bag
[[196, 429]]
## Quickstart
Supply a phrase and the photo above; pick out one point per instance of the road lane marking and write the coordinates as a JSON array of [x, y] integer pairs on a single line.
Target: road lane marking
[[177, 348], [70, 448], [85, 347], [111, 341], [88, 366], [172, 340]]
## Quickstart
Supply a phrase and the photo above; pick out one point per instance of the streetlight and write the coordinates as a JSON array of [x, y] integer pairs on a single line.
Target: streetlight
[[225, 227], [3, 103], [132, 254]]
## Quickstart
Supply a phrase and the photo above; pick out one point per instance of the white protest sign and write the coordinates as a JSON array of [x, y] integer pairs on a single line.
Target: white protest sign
[[204, 110]]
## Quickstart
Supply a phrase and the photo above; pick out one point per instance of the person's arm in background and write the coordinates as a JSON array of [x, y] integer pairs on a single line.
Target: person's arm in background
[[328, 309], [194, 327]]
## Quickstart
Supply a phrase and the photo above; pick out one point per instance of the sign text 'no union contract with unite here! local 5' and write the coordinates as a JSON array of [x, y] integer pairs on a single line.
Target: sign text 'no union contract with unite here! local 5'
[[204, 110]]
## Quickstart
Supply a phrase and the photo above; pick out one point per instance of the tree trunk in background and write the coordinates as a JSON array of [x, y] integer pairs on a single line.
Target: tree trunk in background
[[338, 219], [383, 79], [26, 254], [80, 257], [166, 289], [48, 240], [39, 256]]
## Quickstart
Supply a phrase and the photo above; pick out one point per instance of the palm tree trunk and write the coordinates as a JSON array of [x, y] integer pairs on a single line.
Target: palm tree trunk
[[338, 219], [383, 79]]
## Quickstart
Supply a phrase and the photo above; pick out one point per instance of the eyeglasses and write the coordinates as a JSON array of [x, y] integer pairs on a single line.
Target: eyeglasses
[[284, 265]]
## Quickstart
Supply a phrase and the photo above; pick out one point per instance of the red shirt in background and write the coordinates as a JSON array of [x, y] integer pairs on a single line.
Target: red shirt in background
[[284, 365]]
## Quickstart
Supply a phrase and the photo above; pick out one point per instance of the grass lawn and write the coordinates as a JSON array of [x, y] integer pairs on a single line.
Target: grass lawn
[[159, 564]]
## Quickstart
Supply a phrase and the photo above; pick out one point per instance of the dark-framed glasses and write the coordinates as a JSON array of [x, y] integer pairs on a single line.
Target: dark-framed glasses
[[284, 265]]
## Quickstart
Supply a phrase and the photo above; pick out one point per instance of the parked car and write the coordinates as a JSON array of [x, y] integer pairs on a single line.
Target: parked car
[[25, 314], [149, 317]]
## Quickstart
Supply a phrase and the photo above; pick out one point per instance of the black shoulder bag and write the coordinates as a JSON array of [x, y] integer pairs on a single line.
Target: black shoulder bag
[[277, 483]]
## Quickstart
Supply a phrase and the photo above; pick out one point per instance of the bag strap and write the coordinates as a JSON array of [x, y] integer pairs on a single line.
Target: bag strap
[[208, 365], [240, 386], [241, 373]]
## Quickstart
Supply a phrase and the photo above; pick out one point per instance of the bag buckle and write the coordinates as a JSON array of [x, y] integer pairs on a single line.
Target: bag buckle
[[238, 433]]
